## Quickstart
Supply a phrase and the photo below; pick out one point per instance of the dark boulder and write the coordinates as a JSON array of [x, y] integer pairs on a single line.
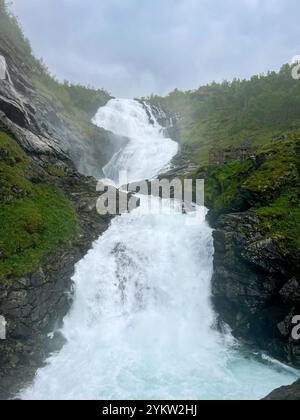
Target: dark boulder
[[285, 393], [254, 289]]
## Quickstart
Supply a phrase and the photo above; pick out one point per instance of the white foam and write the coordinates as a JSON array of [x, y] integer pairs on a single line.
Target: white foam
[[148, 151]]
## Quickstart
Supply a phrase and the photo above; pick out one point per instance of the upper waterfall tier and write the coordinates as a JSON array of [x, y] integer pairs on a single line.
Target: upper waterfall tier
[[148, 151]]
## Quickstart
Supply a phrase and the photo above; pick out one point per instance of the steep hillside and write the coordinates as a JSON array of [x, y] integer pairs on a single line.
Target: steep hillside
[[233, 115], [59, 112], [48, 217], [35, 216]]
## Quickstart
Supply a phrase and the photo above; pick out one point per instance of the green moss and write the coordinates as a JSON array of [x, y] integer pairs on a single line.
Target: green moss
[[32, 227], [279, 169], [272, 176], [55, 170], [13, 165], [201, 156], [35, 218], [281, 220], [267, 175], [222, 182]]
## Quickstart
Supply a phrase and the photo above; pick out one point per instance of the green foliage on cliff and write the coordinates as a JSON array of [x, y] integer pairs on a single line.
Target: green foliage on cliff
[[10, 30], [80, 102], [13, 164], [271, 170], [36, 218], [231, 114], [281, 220], [55, 170], [269, 183], [86, 98], [223, 182], [278, 170]]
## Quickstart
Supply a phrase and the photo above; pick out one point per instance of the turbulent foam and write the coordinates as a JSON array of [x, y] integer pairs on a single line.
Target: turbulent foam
[[147, 152]]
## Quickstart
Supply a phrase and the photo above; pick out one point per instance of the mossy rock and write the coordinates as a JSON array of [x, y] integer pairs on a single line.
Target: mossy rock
[[269, 183], [281, 220], [55, 170], [36, 218], [13, 166]]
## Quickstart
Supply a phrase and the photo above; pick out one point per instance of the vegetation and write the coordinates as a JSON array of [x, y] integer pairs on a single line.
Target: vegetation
[[251, 112], [269, 182], [11, 32], [281, 220], [55, 170], [80, 102], [36, 218], [223, 183]]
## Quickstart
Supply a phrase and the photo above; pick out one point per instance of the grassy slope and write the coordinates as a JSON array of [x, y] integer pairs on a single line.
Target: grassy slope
[[253, 112], [271, 182], [35, 217]]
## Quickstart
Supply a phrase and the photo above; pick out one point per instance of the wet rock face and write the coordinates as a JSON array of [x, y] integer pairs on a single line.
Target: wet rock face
[[285, 393], [42, 125], [19, 114], [254, 287], [164, 119], [14, 111], [291, 291], [33, 307]]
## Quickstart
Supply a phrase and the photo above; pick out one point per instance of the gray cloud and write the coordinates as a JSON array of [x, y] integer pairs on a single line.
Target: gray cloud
[[134, 47]]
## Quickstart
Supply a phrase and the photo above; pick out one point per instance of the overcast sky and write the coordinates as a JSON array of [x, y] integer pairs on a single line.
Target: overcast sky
[[136, 47]]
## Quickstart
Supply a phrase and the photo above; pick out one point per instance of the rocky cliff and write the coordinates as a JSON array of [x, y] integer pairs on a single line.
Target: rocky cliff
[[43, 125], [286, 393], [47, 204], [256, 265]]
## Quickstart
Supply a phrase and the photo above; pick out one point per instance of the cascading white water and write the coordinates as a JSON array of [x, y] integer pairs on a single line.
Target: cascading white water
[[147, 152], [3, 68], [141, 326]]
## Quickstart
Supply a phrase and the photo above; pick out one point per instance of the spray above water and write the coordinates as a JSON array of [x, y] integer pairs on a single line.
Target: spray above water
[[141, 326]]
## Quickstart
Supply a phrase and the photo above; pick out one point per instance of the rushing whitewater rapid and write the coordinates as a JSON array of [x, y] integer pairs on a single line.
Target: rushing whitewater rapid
[[147, 152], [142, 325]]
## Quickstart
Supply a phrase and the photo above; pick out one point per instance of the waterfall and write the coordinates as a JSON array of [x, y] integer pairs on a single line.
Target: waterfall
[[147, 153], [3, 68], [142, 324]]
